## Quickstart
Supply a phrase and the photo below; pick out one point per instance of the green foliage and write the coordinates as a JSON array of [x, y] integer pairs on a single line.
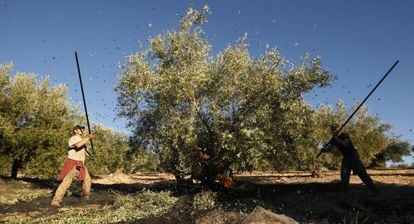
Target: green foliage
[[371, 137], [113, 152], [34, 119], [129, 207], [177, 95], [21, 193], [139, 160], [35, 125], [402, 166], [5, 165], [110, 150], [394, 152], [205, 200], [146, 201]]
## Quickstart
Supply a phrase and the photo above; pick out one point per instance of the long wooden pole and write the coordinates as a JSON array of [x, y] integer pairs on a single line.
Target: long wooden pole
[[84, 104], [359, 106]]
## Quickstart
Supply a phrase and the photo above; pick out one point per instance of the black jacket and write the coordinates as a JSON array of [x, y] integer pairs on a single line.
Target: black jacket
[[344, 144]]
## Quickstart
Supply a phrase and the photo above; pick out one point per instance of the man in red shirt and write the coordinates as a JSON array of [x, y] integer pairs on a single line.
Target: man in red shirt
[[74, 167]]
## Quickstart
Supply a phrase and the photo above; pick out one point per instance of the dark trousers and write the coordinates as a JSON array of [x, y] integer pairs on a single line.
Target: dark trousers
[[357, 166]]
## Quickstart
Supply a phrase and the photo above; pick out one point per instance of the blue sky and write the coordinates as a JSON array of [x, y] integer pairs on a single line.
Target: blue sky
[[357, 40]]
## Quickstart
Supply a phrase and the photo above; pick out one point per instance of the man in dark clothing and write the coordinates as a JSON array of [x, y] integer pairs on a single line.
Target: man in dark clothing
[[208, 171], [201, 166], [350, 160]]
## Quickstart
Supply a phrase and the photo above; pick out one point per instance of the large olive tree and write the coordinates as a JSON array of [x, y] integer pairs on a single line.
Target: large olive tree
[[245, 111]]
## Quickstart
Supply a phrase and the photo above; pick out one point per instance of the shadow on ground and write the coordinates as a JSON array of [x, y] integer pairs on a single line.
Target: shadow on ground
[[311, 202]]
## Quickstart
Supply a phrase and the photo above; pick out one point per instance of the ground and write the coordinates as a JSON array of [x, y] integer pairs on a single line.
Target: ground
[[298, 195]]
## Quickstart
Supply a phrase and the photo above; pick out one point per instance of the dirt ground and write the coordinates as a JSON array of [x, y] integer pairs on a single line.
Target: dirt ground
[[298, 195]]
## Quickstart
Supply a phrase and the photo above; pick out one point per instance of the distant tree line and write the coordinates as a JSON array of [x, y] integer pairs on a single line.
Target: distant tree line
[[36, 121]]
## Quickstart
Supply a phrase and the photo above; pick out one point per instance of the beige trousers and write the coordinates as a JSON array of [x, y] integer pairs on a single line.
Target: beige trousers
[[67, 181]]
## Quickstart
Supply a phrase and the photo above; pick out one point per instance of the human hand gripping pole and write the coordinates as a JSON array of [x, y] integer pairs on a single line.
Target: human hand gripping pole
[[86, 110], [324, 149]]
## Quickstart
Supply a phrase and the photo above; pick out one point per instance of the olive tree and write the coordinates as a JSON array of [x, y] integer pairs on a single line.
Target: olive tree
[[34, 119], [244, 111], [110, 150], [372, 138]]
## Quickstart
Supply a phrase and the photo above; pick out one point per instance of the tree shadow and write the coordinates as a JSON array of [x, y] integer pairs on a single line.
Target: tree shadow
[[307, 202]]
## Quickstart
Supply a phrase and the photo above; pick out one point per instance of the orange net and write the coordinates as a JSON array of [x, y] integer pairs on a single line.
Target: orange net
[[227, 181]]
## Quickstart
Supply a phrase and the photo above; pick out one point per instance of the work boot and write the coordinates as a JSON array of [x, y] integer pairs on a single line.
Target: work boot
[[85, 197], [55, 203]]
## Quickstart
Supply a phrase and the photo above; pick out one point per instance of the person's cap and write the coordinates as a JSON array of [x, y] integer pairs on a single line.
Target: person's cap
[[78, 127]]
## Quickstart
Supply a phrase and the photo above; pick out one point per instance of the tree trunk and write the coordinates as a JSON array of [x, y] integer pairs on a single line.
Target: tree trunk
[[378, 161], [17, 164]]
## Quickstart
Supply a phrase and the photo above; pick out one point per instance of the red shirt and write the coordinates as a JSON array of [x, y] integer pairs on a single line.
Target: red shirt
[[69, 165]]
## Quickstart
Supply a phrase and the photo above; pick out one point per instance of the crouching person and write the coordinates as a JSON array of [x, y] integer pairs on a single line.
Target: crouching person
[[74, 167]]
